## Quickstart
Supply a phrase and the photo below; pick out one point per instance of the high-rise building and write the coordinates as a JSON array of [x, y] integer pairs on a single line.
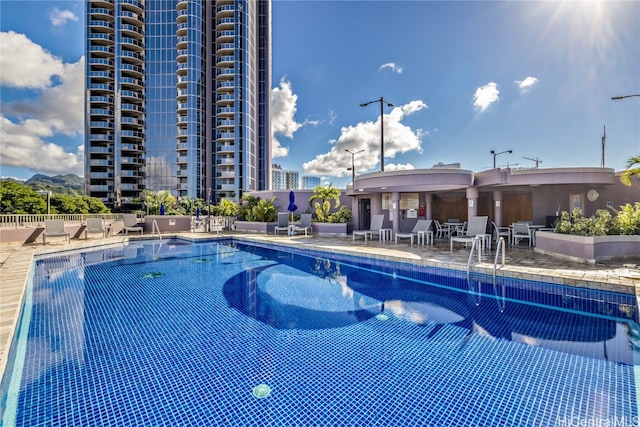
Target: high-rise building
[[177, 98], [310, 182], [283, 179]]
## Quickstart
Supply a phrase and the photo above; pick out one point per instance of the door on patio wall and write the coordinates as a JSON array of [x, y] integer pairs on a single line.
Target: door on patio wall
[[365, 214], [516, 207]]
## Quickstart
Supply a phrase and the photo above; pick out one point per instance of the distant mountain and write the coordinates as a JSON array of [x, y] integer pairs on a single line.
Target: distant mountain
[[61, 184]]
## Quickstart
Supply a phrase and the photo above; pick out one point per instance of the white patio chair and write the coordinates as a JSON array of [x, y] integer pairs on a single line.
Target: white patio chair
[[521, 231], [283, 223], [131, 224], [305, 225], [477, 227], [441, 231], [421, 225], [501, 232], [54, 228], [376, 226], [94, 226]]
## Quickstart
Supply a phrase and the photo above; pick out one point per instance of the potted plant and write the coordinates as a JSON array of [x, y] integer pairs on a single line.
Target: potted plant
[[597, 238], [326, 222], [257, 215]]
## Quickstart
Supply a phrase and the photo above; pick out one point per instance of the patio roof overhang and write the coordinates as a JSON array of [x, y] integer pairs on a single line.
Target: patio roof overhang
[[414, 180], [545, 176]]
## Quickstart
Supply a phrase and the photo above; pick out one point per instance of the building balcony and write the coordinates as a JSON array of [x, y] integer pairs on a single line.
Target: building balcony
[[100, 124], [182, 29], [132, 83], [132, 5], [97, 112], [226, 36], [225, 11], [98, 51], [132, 44], [101, 162], [228, 136], [182, 55], [132, 95], [100, 137], [96, 24], [225, 24], [183, 160], [181, 43], [132, 57], [100, 76], [100, 150], [131, 161], [131, 134], [132, 18], [104, 39], [182, 4], [131, 147], [132, 31], [129, 70]]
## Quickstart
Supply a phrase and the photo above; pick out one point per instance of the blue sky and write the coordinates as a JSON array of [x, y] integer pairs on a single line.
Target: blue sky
[[465, 78]]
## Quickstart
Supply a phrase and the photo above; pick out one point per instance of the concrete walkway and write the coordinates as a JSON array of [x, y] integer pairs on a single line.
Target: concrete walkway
[[521, 262]]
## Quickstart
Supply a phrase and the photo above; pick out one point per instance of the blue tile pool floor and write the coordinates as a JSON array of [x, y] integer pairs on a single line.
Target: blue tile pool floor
[[181, 334]]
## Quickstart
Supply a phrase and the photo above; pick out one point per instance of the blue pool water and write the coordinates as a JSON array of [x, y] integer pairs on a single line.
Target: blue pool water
[[228, 334]]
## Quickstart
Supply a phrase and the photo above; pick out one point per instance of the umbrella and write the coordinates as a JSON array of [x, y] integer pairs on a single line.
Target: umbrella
[[292, 202], [162, 209], [198, 213]]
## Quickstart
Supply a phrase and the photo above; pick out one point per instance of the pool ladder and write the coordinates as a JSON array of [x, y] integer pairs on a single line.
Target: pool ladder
[[499, 250], [474, 247], [154, 228]]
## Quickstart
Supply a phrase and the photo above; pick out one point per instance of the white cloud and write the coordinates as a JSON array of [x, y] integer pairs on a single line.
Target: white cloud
[[332, 117], [24, 145], [25, 64], [526, 84], [485, 96], [399, 138], [397, 167], [56, 112], [283, 110], [391, 65], [59, 17]]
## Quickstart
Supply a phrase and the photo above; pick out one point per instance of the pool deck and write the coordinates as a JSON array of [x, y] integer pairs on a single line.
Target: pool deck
[[521, 262]]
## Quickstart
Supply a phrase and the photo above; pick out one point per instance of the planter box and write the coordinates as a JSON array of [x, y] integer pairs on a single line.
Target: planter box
[[255, 227], [587, 249], [331, 229]]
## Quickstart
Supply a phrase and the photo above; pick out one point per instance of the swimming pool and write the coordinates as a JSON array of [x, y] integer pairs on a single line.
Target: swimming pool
[[225, 333]]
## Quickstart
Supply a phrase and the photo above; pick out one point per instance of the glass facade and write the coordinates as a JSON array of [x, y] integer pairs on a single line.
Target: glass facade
[[177, 98]]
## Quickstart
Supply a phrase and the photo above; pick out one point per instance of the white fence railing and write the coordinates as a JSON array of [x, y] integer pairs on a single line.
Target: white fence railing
[[22, 221]]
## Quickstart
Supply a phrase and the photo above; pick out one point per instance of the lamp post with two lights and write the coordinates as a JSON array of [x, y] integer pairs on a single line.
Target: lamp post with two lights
[[382, 102], [353, 167], [497, 154]]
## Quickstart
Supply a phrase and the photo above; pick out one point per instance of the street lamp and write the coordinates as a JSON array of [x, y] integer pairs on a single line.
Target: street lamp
[[208, 210], [497, 154], [353, 167], [49, 194], [382, 101], [624, 96]]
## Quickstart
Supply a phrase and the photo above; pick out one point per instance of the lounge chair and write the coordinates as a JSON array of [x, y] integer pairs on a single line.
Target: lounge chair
[[94, 226], [54, 228], [283, 223], [421, 225], [477, 227], [376, 226], [501, 232], [305, 225], [521, 231], [131, 224]]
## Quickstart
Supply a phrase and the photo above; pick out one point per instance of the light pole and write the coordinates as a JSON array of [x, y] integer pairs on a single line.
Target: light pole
[[382, 103], [497, 154], [209, 210], [49, 194], [353, 167], [624, 96]]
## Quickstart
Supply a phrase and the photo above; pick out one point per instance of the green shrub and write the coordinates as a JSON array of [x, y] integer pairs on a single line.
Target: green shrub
[[343, 215], [626, 221]]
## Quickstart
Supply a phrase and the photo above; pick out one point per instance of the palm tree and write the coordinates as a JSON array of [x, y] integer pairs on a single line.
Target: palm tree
[[325, 194], [631, 171]]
